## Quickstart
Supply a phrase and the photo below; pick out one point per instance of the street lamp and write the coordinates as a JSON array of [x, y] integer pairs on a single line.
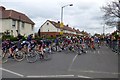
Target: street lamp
[[61, 25], [62, 11]]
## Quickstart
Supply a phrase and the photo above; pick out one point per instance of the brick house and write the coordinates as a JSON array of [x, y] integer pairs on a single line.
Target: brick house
[[52, 28], [15, 22]]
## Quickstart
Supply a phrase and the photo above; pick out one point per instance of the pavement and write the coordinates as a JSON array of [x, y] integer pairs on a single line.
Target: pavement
[[101, 63]]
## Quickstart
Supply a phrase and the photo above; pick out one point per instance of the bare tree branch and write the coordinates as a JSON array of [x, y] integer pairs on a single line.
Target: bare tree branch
[[112, 13]]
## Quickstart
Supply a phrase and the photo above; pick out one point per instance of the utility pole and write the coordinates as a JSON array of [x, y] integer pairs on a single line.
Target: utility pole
[[104, 29]]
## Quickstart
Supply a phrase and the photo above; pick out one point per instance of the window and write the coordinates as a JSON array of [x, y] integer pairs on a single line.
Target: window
[[47, 23], [23, 25], [13, 23]]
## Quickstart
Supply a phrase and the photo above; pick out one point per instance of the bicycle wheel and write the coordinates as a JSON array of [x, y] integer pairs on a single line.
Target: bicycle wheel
[[78, 51], [31, 56], [54, 48], [4, 57], [19, 56], [47, 56]]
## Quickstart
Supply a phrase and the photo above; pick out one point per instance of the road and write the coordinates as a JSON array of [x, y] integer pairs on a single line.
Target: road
[[102, 63]]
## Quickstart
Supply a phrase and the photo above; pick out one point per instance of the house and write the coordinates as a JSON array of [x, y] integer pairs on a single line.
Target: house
[[15, 22], [52, 28], [77, 32]]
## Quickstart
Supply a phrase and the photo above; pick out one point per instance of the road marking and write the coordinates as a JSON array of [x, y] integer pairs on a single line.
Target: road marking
[[74, 58], [12, 72], [83, 76], [91, 71], [98, 52], [72, 62], [45, 76]]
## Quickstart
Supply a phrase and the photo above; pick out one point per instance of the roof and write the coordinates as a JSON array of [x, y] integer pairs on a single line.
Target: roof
[[77, 31], [12, 14], [57, 25]]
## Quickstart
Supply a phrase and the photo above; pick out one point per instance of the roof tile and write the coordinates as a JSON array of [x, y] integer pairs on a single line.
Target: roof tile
[[57, 25], [14, 15]]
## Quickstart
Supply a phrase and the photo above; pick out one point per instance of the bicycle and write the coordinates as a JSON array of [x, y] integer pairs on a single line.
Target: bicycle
[[36, 54], [16, 55]]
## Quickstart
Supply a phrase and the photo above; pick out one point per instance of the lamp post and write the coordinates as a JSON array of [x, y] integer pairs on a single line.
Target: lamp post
[[103, 29], [61, 24]]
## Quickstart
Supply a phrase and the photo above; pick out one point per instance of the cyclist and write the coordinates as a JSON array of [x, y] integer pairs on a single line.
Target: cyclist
[[87, 41], [97, 41], [92, 43], [10, 47], [40, 48], [57, 43], [48, 45], [29, 38]]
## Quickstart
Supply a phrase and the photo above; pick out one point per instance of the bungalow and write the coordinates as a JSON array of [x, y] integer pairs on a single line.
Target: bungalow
[[15, 22], [52, 28]]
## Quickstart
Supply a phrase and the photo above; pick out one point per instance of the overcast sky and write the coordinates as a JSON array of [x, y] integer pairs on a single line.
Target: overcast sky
[[84, 14]]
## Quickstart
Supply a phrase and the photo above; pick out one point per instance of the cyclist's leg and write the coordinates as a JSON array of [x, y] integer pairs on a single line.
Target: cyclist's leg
[[10, 52]]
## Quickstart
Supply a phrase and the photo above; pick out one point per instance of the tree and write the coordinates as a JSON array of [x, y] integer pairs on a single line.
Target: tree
[[96, 34], [112, 14]]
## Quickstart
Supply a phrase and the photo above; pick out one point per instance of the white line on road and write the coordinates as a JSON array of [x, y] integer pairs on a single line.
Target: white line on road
[[72, 62], [12, 72], [91, 71], [46, 76], [83, 76], [98, 52], [74, 58]]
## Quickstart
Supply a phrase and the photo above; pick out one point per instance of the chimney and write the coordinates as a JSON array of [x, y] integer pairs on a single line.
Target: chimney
[[78, 30], [67, 25], [59, 22], [74, 28], [2, 8]]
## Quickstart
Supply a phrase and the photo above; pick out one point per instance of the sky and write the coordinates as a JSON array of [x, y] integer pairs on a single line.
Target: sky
[[83, 15]]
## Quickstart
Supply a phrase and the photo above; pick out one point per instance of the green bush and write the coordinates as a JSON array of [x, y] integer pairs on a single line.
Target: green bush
[[4, 37], [12, 38], [51, 38], [37, 38]]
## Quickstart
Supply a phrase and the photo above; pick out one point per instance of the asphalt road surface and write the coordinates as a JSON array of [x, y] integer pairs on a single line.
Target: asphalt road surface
[[101, 63]]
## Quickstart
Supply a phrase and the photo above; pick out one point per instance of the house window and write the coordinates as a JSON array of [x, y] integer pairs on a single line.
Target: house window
[[32, 27], [13, 23], [47, 23], [23, 25]]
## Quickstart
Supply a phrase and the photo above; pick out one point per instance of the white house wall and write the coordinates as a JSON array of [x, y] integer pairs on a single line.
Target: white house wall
[[0, 25], [0, 28], [27, 29], [7, 25], [49, 28]]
